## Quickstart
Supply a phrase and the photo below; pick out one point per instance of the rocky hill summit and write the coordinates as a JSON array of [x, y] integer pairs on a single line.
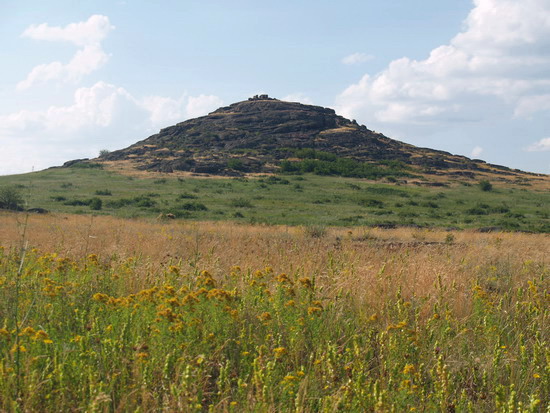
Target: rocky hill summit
[[264, 135]]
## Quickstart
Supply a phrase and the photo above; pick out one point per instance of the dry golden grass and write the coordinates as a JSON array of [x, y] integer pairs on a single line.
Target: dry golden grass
[[368, 264], [128, 167], [112, 314]]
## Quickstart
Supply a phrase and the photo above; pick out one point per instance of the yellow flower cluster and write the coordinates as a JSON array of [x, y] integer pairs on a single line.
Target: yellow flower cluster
[[36, 335]]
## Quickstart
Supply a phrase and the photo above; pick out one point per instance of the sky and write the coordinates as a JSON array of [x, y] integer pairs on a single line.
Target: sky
[[468, 77]]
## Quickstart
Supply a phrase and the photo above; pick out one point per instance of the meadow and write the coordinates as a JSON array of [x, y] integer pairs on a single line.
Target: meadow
[[289, 199], [100, 313]]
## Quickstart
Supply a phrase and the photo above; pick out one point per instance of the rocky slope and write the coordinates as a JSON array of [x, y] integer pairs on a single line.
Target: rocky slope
[[254, 136]]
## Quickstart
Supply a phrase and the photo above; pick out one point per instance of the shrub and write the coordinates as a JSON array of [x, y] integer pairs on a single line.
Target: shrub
[[273, 180], [10, 198], [86, 165], [58, 198], [241, 203], [193, 206], [477, 210], [96, 204], [449, 239], [373, 203], [485, 185], [186, 195], [77, 202], [142, 201], [236, 164], [104, 192], [321, 163]]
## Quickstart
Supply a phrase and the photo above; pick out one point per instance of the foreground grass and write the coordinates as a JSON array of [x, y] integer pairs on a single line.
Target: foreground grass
[[288, 200], [369, 321]]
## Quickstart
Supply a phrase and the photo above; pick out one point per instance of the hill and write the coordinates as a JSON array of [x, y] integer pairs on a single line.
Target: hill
[[272, 162], [266, 135]]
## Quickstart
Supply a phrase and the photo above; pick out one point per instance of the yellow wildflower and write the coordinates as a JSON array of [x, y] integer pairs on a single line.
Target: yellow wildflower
[[173, 302], [102, 298], [279, 352], [93, 259], [27, 331], [22, 348], [408, 369], [306, 282], [41, 335], [264, 316], [283, 278], [289, 378], [314, 310]]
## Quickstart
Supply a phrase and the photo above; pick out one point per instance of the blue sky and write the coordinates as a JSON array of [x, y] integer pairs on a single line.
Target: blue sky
[[468, 77]]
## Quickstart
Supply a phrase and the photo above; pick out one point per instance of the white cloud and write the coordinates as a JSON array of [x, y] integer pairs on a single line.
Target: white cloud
[[84, 62], [298, 97], [497, 65], [92, 31], [202, 105], [100, 116], [530, 105], [540, 146], [164, 109], [356, 58], [476, 152], [88, 35]]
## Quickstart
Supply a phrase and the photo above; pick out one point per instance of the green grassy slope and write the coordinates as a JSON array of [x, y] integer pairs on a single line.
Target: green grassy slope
[[293, 200]]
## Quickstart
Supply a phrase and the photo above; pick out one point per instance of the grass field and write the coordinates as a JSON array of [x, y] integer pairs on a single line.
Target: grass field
[[287, 200], [109, 314]]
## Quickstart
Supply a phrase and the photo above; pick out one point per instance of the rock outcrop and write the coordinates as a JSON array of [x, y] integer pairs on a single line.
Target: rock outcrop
[[257, 134]]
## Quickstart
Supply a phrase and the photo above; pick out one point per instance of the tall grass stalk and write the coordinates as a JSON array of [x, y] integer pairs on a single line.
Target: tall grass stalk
[[24, 243]]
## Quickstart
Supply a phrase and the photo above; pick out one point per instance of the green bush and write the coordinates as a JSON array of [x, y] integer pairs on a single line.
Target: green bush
[[485, 185], [372, 203], [236, 164], [96, 204], [324, 163], [77, 202], [186, 195], [241, 203], [193, 206], [10, 198]]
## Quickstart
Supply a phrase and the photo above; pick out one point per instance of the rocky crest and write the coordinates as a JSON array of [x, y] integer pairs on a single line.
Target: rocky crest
[[255, 135]]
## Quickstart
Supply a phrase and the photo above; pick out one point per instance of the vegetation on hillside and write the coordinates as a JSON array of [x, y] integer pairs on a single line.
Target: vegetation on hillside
[[326, 163], [288, 199]]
